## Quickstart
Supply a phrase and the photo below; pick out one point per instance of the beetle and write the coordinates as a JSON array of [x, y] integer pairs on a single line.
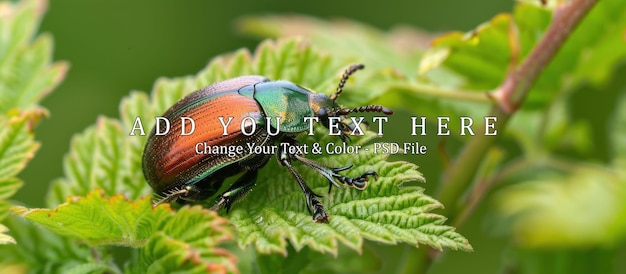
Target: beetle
[[175, 171]]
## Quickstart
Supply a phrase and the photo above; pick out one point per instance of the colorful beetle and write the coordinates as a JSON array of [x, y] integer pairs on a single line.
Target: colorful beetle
[[176, 171]]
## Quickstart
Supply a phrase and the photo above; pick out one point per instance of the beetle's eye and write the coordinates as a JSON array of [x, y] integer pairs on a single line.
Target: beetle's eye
[[322, 113]]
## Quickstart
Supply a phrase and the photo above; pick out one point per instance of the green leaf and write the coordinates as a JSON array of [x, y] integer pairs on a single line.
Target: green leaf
[[580, 209], [41, 251], [479, 60], [161, 233], [392, 59], [101, 158], [26, 75], [386, 211], [164, 255], [17, 147], [106, 156], [399, 48], [482, 56], [5, 239], [26, 72], [118, 221], [113, 221], [594, 49]]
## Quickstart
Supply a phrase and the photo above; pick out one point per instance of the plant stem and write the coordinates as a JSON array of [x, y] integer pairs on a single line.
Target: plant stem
[[518, 82], [463, 170], [508, 97], [479, 191]]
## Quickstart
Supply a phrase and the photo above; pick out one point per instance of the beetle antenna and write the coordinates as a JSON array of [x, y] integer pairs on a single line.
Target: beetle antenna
[[349, 71], [370, 108]]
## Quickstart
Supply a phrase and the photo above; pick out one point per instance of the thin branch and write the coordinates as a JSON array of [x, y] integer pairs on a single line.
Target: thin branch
[[480, 190], [515, 87], [508, 97]]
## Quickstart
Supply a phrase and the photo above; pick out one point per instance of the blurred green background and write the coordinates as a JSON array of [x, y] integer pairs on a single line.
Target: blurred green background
[[114, 47]]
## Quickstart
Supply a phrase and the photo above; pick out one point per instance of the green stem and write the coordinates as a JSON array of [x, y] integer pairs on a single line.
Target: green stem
[[509, 97], [463, 170]]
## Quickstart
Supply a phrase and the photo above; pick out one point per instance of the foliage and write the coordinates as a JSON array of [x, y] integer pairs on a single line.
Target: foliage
[[107, 158], [185, 240], [559, 165], [386, 211], [26, 75], [553, 190]]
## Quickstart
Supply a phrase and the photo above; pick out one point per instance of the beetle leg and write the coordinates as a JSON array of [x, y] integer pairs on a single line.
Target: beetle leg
[[237, 190], [175, 194], [329, 173], [323, 170], [319, 215], [169, 196]]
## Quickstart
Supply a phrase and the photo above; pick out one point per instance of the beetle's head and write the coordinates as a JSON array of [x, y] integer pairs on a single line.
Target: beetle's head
[[325, 107]]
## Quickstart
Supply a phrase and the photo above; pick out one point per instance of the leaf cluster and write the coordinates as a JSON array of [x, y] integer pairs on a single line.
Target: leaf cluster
[[554, 191]]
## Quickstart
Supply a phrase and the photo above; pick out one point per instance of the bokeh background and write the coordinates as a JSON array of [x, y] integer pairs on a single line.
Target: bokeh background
[[114, 47]]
